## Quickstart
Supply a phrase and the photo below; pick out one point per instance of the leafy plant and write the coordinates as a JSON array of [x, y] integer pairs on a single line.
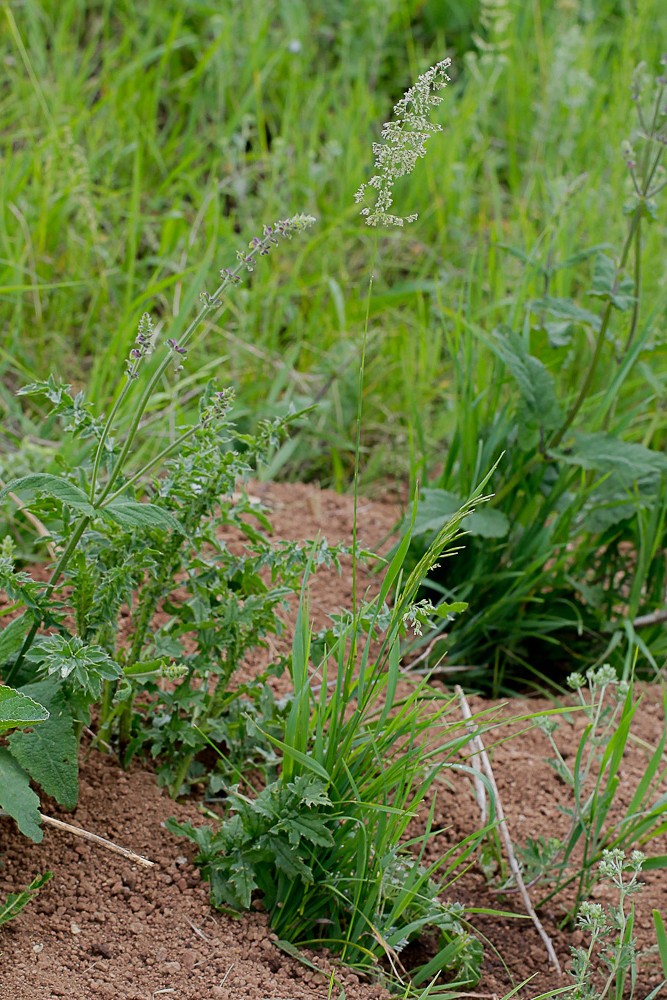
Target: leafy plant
[[567, 563], [16, 901], [130, 540], [599, 823], [607, 967], [324, 846]]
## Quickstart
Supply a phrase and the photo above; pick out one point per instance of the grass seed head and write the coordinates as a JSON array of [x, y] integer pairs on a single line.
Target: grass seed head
[[404, 143]]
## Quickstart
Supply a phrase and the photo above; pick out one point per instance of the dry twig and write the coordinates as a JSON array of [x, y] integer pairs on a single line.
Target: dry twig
[[93, 838], [504, 832]]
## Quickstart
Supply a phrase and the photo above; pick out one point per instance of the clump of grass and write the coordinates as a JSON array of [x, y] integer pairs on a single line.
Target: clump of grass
[[324, 847], [566, 564]]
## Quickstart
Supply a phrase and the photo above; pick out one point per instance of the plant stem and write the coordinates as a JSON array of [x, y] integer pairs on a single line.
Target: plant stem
[[105, 434], [597, 353], [149, 465], [212, 303], [60, 566], [357, 443]]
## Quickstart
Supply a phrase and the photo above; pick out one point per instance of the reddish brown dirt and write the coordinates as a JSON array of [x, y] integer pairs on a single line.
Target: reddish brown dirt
[[104, 928]]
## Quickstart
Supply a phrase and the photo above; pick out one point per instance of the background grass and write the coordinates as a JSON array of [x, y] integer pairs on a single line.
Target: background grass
[[142, 140]]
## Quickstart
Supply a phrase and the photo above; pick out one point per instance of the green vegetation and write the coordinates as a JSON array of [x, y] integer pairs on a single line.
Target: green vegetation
[[139, 139], [509, 341]]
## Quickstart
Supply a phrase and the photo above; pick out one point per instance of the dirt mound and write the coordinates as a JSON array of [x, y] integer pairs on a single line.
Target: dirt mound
[[105, 928]]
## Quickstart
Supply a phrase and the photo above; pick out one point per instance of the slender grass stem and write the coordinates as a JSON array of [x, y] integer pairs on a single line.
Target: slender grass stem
[[357, 445]]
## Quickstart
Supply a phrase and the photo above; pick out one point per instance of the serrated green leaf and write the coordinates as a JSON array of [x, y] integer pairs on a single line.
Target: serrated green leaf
[[309, 790], [539, 409], [11, 638], [130, 514], [83, 666], [17, 797], [288, 861], [16, 901], [27, 487], [50, 753], [610, 285], [17, 709], [566, 309], [242, 877], [310, 828]]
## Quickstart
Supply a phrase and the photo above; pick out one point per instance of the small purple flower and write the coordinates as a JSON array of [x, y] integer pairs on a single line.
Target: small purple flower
[[227, 274], [144, 346], [173, 344]]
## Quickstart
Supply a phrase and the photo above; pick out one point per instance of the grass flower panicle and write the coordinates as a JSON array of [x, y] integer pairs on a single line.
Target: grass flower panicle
[[404, 141]]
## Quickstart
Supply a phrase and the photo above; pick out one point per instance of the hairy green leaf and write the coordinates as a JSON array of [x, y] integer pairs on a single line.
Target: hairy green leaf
[[130, 514], [17, 709], [50, 753], [539, 409], [27, 487], [17, 797], [566, 309], [609, 285], [437, 506], [84, 667], [628, 463]]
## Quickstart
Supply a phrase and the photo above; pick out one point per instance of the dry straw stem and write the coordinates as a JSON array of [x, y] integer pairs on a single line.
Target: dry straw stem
[[109, 845], [504, 832]]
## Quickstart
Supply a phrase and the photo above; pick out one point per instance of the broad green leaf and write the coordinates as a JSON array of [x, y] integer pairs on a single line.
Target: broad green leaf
[[11, 638], [628, 463], [17, 797], [17, 709], [131, 514], [16, 901], [242, 877], [50, 753], [539, 408], [610, 285], [27, 487], [437, 506]]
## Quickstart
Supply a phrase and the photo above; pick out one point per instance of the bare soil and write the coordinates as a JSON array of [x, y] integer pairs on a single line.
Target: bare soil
[[105, 928]]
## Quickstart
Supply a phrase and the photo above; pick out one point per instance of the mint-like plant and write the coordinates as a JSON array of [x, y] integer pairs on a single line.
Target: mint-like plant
[[144, 596]]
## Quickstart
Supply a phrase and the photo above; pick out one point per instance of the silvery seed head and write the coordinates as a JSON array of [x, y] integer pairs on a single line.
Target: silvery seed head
[[404, 143]]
